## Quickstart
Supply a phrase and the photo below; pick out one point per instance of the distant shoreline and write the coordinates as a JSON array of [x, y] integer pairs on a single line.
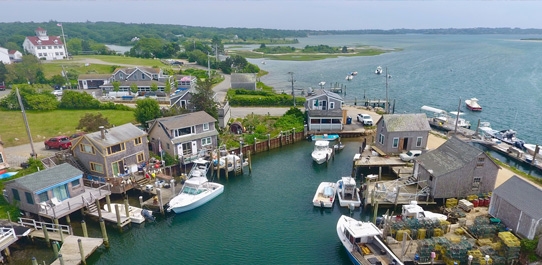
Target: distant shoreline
[[531, 39]]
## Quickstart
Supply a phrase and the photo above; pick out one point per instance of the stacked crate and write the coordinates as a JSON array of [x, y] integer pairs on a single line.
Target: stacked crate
[[510, 246]]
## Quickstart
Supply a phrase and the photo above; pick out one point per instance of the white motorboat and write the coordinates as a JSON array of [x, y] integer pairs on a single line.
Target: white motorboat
[[195, 192], [234, 162], [473, 105], [349, 77], [531, 148], [348, 193], [378, 70], [441, 117], [322, 152], [200, 167], [135, 213], [363, 242], [325, 195]]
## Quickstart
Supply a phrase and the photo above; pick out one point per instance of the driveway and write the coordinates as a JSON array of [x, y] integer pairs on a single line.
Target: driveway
[[16, 155], [222, 88]]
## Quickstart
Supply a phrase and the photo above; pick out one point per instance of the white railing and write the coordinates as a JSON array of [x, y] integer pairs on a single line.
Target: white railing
[[42, 225], [7, 233]]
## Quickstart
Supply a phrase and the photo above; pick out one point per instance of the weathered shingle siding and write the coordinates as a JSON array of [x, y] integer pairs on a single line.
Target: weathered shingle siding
[[86, 158], [157, 133], [129, 155], [412, 137]]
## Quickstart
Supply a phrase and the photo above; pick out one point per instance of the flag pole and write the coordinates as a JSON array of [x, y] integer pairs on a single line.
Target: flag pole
[[64, 38]]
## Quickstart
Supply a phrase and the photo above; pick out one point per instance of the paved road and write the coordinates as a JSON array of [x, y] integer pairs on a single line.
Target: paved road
[[222, 88]]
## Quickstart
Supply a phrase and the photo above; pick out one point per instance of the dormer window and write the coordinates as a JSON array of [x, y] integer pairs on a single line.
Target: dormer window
[[184, 131], [142, 76]]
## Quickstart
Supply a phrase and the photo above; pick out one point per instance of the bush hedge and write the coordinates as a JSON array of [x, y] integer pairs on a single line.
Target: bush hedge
[[240, 97]]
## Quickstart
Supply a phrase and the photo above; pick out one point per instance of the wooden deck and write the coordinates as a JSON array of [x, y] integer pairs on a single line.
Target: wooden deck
[[111, 217], [167, 194], [7, 237], [70, 249], [72, 204]]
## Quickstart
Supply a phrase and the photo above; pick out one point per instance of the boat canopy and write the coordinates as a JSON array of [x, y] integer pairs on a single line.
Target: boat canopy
[[321, 143], [328, 191], [196, 180], [349, 181], [435, 110], [361, 229]]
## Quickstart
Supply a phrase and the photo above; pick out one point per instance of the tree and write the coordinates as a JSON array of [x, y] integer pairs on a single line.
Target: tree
[[134, 88], [3, 72], [92, 122], [154, 87], [116, 86], [262, 46], [78, 100], [26, 71], [75, 45], [203, 98], [12, 46], [58, 80], [345, 50], [146, 110], [167, 88]]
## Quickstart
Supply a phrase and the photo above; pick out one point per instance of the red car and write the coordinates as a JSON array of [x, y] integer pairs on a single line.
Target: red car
[[75, 135], [60, 142]]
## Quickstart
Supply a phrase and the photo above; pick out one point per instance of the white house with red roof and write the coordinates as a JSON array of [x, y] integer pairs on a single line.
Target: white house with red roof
[[43, 46], [4, 56], [15, 55]]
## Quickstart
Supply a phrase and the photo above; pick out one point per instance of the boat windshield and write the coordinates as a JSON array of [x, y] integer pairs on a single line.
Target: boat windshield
[[192, 190]]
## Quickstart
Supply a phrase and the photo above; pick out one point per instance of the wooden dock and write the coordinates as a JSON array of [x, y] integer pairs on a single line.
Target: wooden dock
[[505, 149], [387, 195], [111, 217], [367, 159], [70, 249], [167, 194]]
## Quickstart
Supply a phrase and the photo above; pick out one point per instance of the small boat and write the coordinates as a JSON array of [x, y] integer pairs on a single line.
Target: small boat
[[322, 152], [473, 105], [325, 195], [354, 73], [378, 70], [325, 137], [234, 162], [135, 213], [195, 192], [347, 192], [338, 147], [531, 148], [363, 242], [323, 83], [349, 77]]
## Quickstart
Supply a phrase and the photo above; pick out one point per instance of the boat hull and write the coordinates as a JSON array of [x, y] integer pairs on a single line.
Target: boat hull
[[474, 108], [320, 158], [199, 202], [320, 200]]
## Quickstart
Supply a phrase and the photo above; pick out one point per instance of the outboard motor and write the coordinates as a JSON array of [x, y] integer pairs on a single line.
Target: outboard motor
[[148, 215]]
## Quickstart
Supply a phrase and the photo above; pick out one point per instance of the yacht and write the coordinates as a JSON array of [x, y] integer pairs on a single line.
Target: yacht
[[322, 152], [195, 192]]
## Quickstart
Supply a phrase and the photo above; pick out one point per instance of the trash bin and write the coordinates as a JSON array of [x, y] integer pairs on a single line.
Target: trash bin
[[348, 120]]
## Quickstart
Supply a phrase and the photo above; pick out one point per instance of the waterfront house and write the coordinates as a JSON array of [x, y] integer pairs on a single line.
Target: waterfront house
[[3, 159], [112, 154], [456, 169], [243, 81], [396, 133], [184, 135], [15, 56], [53, 192], [92, 81], [142, 77], [516, 203], [324, 111], [45, 47], [4, 56]]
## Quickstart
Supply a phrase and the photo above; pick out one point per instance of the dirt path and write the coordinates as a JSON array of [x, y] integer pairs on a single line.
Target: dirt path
[[16, 155]]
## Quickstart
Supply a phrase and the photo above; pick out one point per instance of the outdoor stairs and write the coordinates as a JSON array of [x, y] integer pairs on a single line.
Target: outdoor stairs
[[74, 162], [141, 182], [426, 190], [92, 207], [48, 162], [411, 180]]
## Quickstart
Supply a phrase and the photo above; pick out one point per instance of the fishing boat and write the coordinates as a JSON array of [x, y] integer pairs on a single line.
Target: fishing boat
[[339, 146], [200, 167], [325, 137], [325, 195], [473, 105], [348, 193], [322, 152], [363, 242], [195, 192], [136, 215], [378, 70]]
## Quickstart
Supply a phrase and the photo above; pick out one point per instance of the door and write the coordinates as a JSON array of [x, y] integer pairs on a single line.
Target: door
[[117, 167], [85, 85], [61, 192], [194, 147], [405, 143], [324, 105], [401, 142]]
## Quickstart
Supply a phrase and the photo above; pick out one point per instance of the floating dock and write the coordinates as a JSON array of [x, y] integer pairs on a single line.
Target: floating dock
[[70, 249]]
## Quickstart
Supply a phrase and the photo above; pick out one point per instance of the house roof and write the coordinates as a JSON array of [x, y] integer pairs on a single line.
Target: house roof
[[405, 122], [314, 113], [184, 77], [50, 41], [13, 51], [320, 92], [94, 76], [116, 135], [185, 120], [522, 195], [45, 178], [243, 78], [129, 71], [450, 156], [139, 83]]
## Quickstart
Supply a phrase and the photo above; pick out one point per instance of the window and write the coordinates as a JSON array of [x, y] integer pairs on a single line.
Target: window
[[43, 196], [137, 141], [61, 53], [85, 148], [115, 149], [187, 148], [29, 198], [395, 142], [331, 105], [96, 167], [206, 141], [167, 145], [120, 75], [142, 76], [117, 167], [184, 131], [49, 47], [206, 126], [16, 195], [480, 162], [381, 139], [476, 183], [1, 158], [419, 142], [76, 183], [140, 157]]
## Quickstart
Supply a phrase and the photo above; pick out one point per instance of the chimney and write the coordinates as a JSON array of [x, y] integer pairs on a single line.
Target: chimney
[[102, 130]]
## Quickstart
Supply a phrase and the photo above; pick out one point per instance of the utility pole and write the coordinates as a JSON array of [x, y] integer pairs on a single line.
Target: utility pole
[[208, 66], [292, 80], [65, 74], [33, 154], [64, 37]]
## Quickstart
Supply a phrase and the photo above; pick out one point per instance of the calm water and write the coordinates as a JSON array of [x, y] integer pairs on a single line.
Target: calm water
[[505, 74]]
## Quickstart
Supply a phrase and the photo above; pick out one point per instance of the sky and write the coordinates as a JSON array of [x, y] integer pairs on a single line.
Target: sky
[[283, 14]]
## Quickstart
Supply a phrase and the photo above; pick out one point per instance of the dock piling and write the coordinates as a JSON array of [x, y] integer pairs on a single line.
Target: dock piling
[[226, 166], [98, 208], [127, 207], [117, 213], [104, 232], [249, 163], [61, 259], [218, 164], [55, 248], [172, 188], [46, 234], [34, 261], [82, 251], [68, 220], [108, 201], [159, 193], [59, 230], [84, 226], [375, 213], [141, 201]]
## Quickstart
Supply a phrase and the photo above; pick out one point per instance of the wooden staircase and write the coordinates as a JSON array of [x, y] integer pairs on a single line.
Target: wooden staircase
[[92, 207]]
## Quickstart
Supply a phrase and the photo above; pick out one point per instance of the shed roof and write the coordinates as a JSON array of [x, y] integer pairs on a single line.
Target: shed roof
[[450, 156], [405, 122], [45, 178], [185, 120], [320, 92], [522, 194], [94, 76], [116, 135]]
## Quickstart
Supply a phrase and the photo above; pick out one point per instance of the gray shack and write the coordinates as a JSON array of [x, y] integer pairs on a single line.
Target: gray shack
[[396, 133], [456, 169], [517, 203], [243, 81]]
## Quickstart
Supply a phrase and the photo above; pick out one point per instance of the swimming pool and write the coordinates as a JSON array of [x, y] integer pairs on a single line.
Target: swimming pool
[[7, 175]]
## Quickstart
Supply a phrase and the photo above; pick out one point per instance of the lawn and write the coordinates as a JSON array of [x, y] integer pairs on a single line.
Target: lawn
[[122, 60], [50, 69], [51, 123]]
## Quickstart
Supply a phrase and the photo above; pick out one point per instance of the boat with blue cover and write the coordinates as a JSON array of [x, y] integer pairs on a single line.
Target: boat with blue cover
[[325, 195], [325, 137]]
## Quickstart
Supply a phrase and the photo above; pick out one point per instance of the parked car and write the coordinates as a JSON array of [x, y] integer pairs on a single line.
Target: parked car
[[75, 135], [2, 86], [365, 119], [59, 142], [408, 156], [57, 91]]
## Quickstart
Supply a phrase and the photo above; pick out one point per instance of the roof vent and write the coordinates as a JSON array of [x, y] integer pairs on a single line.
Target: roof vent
[[102, 130]]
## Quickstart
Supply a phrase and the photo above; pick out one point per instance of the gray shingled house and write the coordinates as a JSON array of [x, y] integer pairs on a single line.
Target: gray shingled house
[[243, 81], [324, 111], [143, 77], [184, 135], [517, 203], [106, 153], [181, 99], [456, 169], [90, 81], [53, 193], [396, 133]]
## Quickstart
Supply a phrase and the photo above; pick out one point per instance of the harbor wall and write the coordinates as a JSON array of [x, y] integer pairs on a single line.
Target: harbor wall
[[285, 138]]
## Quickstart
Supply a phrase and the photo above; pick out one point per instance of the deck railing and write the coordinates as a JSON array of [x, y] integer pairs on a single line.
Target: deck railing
[[6, 232], [43, 225]]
